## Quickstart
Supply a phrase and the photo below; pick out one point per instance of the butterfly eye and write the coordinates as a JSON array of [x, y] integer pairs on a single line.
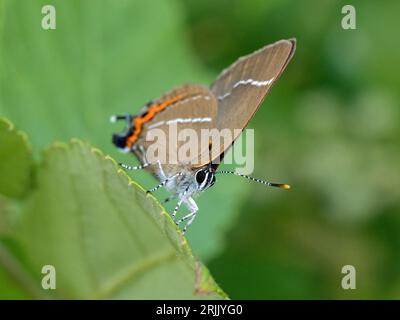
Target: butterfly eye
[[212, 181], [200, 176]]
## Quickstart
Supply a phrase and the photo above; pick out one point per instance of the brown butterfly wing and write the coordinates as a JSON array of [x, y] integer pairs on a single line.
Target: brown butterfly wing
[[241, 88], [195, 108]]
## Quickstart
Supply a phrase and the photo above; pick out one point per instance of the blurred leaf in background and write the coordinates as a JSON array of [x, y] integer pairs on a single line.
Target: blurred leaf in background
[[330, 128], [105, 57]]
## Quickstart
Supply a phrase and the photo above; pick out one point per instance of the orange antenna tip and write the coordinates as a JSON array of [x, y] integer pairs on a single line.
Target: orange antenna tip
[[280, 185]]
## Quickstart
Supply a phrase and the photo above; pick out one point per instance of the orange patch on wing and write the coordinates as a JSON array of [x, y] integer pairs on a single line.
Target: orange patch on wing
[[138, 122]]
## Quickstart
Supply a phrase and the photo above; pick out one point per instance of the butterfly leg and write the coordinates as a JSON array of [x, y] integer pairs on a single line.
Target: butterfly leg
[[158, 162], [128, 167], [184, 218], [178, 205], [182, 198], [163, 176], [164, 182], [144, 166], [147, 164], [193, 213], [143, 154]]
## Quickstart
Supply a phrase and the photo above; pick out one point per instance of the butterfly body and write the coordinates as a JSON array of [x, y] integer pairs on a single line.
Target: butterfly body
[[229, 103]]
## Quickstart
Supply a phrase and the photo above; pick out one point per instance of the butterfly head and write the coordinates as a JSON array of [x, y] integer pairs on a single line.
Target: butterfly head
[[205, 178]]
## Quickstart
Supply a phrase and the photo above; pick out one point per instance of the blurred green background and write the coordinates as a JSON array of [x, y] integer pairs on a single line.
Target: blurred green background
[[330, 126]]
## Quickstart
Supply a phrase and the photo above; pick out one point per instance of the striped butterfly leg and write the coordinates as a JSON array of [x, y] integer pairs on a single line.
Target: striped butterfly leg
[[144, 166], [147, 164], [178, 205], [140, 167], [164, 182], [191, 216]]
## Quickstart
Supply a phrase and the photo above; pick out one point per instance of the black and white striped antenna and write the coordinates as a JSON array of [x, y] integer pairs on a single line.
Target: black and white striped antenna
[[270, 184]]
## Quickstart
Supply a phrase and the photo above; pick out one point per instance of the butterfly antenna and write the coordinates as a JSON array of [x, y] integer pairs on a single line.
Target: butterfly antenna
[[270, 184]]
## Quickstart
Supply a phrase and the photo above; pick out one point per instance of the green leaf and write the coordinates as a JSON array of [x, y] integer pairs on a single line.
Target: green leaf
[[9, 289], [15, 282], [105, 57], [15, 161], [103, 235]]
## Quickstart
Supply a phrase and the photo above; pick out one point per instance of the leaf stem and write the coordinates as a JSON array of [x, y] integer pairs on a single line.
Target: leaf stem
[[134, 271], [18, 274]]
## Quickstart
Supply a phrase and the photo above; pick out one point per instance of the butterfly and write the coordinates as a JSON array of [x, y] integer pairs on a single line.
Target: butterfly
[[229, 103]]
